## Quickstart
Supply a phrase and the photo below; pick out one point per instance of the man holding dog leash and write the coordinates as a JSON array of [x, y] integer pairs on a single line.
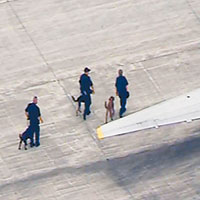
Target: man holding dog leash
[[32, 113], [121, 91], [86, 87]]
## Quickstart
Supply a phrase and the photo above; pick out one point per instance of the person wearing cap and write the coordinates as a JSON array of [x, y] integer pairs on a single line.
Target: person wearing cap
[[33, 114], [121, 91], [86, 87]]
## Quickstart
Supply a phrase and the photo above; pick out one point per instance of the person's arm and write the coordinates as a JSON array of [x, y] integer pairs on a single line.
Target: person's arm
[[126, 83], [40, 117], [41, 120], [117, 94], [116, 91], [26, 112], [27, 116], [93, 92], [91, 85]]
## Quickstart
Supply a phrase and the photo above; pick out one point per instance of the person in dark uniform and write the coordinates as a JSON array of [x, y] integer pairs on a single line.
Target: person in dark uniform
[[121, 91], [86, 87], [33, 114]]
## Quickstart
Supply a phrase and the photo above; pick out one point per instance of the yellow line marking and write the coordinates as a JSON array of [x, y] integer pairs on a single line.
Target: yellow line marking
[[100, 133]]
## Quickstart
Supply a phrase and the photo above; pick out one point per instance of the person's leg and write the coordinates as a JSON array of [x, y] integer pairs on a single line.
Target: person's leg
[[120, 110], [37, 135], [79, 106], [87, 106], [31, 134], [84, 114], [123, 105], [120, 101]]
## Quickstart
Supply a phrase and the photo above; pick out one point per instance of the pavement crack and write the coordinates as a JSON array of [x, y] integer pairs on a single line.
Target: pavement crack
[[193, 11]]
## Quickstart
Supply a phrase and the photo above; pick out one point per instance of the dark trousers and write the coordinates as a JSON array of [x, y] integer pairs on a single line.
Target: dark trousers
[[87, 100], [29, 133], [123, 100], [35, 128]]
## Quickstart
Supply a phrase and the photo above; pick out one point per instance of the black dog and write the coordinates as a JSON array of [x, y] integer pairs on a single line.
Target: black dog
[[23, 138], [80, 100]]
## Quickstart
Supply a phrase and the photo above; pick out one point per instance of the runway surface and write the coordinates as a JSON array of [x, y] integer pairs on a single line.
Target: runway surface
[[44, 47]]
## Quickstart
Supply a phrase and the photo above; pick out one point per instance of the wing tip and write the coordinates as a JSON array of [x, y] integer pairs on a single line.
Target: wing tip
[[100, 133]]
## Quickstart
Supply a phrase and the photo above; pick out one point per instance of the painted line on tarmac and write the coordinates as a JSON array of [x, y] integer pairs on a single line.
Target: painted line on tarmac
[[151, 79]]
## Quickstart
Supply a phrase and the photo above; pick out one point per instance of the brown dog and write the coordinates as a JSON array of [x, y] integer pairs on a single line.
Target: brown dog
[[110, 108]]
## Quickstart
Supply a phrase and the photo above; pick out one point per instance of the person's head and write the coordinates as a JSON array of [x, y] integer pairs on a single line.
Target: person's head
[[87, 70], [120, 72], [111, 98], [35, 99]]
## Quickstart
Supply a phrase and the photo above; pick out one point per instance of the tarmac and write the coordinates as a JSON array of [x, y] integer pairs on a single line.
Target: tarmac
[[45, 46]]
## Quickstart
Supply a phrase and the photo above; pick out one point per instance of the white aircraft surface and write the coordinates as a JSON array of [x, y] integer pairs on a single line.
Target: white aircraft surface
[[182, 108]]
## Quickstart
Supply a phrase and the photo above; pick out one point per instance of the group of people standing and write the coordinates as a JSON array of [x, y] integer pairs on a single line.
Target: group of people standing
[[87, 88], [33, 114]]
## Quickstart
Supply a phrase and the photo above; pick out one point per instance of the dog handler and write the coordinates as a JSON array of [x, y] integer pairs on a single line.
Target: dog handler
[[32, 113], [121, 91], [86, 87]]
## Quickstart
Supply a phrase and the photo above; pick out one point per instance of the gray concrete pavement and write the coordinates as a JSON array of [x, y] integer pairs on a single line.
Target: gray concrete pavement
[[44, 47]]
